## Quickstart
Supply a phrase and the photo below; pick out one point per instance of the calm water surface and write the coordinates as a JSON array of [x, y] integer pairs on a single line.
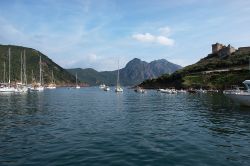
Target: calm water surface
[[92, 127]]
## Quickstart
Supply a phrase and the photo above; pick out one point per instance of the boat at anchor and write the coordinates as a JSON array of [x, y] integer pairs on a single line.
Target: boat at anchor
[[240, 96]]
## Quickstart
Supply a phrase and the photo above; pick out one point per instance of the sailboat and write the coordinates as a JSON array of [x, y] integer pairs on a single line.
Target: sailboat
[[38, 87], [22, 86], [118, 87], [77, 86], [8, 87], [52, 85]]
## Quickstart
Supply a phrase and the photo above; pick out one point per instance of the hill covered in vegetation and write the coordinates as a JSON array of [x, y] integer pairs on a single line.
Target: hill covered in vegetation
[[211, 72], [61, 76]]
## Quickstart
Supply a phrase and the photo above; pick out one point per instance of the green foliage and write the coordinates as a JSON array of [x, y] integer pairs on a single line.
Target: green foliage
[[93, 77]]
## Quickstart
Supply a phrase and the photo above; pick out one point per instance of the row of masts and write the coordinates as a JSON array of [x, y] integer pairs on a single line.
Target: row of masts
[[22, 86]]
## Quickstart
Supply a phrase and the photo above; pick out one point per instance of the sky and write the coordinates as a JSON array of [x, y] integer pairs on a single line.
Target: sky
[[99, 33]]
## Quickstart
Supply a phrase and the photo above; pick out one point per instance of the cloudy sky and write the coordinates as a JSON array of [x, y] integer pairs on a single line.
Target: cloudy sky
[[96, 33]]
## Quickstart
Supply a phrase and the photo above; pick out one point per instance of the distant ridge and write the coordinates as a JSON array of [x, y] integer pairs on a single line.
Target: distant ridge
[[133, 73]]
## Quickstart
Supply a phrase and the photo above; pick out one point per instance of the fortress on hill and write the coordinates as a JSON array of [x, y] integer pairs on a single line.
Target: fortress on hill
[[224, 51]]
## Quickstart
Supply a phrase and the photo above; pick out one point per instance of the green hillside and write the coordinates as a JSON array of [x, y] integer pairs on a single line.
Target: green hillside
[[62, 77], [93, 77], [211, 72]]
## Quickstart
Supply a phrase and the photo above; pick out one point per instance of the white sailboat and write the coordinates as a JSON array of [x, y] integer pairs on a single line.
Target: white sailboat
[[7, 87], [118, 87], [22, 86], [239, 96], [38, 87], [52, 85], [77, 86]]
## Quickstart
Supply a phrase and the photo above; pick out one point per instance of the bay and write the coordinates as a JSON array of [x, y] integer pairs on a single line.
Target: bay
[[91, 127]]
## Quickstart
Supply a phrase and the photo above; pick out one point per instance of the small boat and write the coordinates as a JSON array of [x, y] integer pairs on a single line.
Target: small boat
[[102, 86], [181, 91], [139, 90], [7, 89], [106, 88], [240, 96], [201, 90], [191, 90], [36, 87], [168, 91]]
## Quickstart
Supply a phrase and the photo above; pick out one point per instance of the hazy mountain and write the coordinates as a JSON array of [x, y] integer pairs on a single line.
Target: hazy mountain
[[133, 73], [32, 63]]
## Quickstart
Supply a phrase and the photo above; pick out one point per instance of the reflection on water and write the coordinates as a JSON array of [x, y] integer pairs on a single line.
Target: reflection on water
[[92, 127]]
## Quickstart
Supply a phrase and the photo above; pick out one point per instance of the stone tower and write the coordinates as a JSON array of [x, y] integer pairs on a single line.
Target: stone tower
[[217, 47]]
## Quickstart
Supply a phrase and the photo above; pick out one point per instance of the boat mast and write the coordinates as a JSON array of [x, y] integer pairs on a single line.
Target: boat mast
[[9, 67], [4, 72], [117, 84], [52, 77], [76, 79], [32, 76], [21, 76], [24, 68], [40, 70]]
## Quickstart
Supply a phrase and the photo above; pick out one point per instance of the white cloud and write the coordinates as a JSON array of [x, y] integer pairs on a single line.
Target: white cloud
[[147, 37], [165, 41]]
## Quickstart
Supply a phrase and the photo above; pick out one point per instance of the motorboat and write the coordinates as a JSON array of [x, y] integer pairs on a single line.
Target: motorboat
[[240, 96], [102, 86], [168, 91], [37, 87], [106, 88]]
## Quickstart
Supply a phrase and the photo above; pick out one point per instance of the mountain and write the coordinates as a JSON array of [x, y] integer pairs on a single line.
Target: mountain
[[93, 77], [133, 73], [61, 76], [211, 72]]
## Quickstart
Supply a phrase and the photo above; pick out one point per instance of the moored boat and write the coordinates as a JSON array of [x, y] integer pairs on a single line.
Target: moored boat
[[168, 91], [240, 96], [118, 87], [102, 86], [106, 88]]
